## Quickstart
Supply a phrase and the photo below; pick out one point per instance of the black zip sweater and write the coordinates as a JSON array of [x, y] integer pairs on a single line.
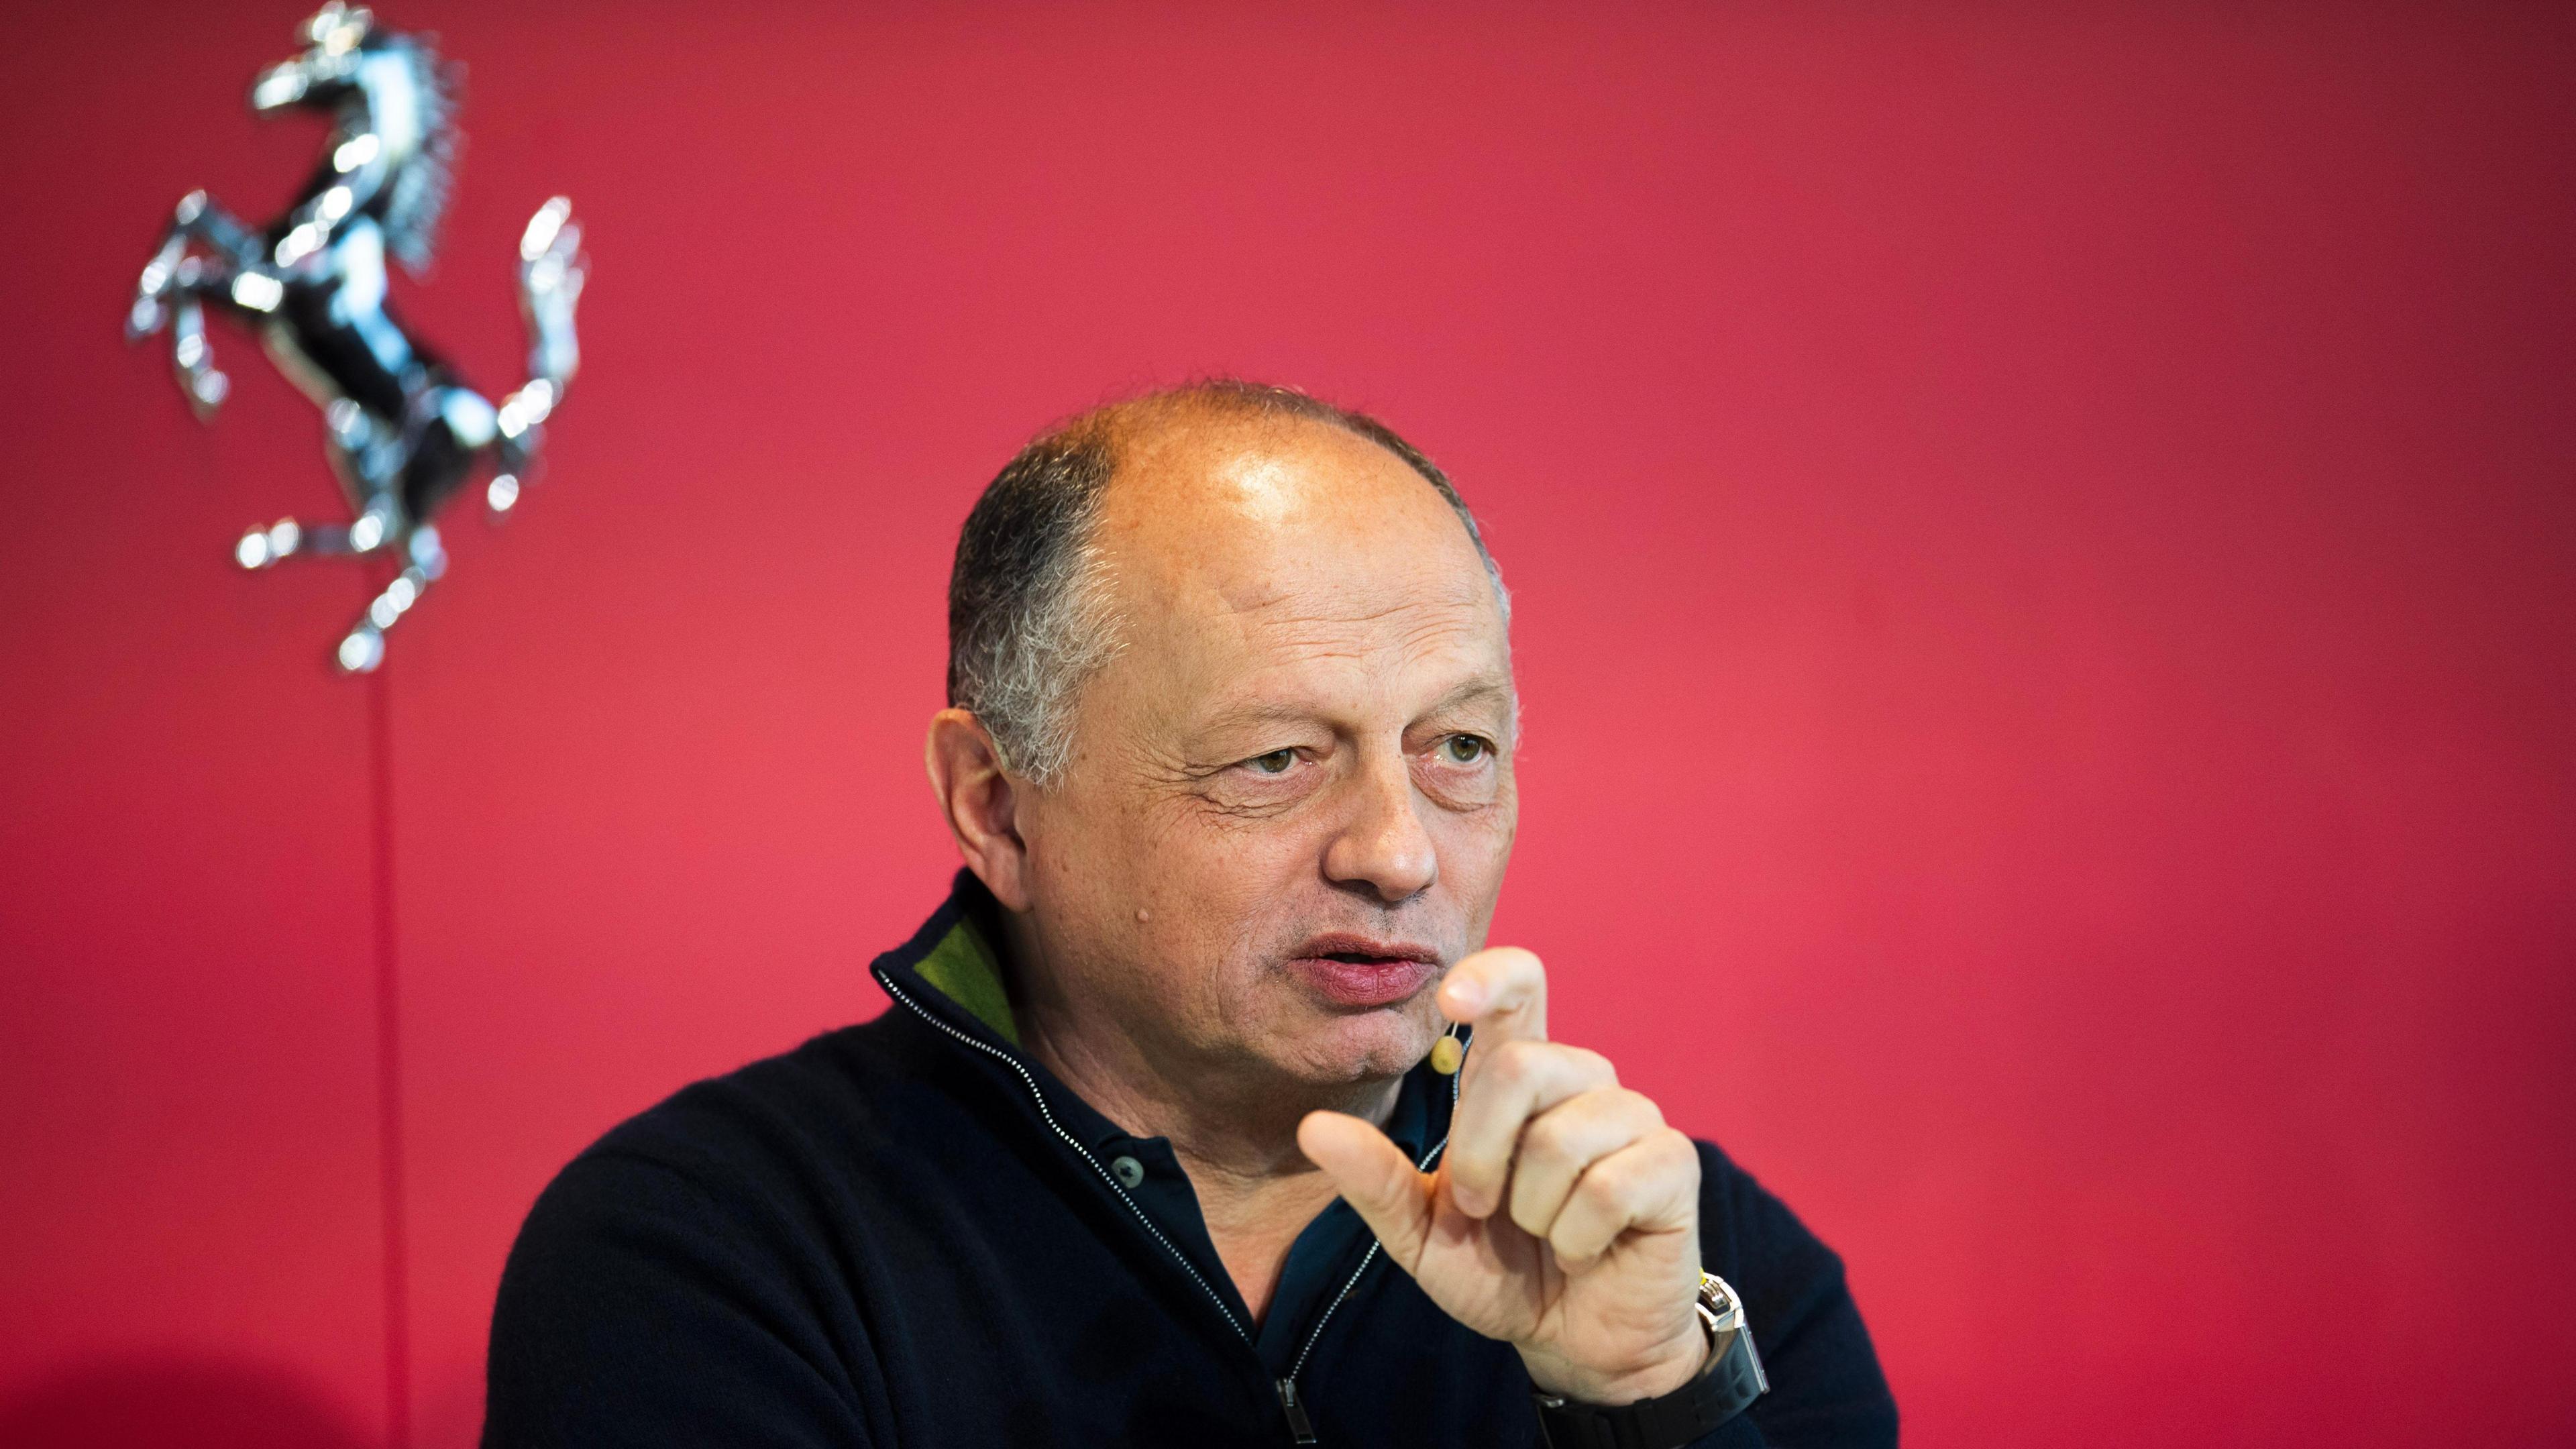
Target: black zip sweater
[[909, 1233]]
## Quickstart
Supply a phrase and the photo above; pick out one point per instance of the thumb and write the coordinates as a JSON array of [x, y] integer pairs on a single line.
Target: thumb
[[1374, 1177]]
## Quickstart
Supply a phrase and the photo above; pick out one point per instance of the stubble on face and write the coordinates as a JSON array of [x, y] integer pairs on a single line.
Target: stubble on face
[[1303, 746]]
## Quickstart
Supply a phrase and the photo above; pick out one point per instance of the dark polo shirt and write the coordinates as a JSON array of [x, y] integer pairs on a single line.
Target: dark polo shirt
[[910, 1233]]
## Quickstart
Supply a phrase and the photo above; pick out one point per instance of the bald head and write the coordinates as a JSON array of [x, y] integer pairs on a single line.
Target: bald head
[[1033, 603]]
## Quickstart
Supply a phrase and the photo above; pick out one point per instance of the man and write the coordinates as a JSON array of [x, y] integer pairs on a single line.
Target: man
[[1153, 1145]]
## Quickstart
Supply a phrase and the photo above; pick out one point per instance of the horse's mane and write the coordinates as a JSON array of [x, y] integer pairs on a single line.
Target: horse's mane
[[420, 185]]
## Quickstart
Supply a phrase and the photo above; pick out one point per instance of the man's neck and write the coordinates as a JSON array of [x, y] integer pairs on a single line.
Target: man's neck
[[1232, 1125], [1256, 1191]]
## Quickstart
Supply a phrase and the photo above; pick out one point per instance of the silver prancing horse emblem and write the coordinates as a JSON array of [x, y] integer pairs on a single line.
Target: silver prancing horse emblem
[[403, 431]]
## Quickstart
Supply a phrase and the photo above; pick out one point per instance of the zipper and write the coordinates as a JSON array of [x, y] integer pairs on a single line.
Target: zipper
[[1299, 1425], [1297, 1422], [1370, 1256]]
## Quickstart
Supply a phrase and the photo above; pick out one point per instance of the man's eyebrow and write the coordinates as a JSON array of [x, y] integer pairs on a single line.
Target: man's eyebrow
[[1480, 690], [1249, 714]]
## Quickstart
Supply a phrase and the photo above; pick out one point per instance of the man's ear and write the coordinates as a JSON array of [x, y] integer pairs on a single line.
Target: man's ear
[[981, 802]]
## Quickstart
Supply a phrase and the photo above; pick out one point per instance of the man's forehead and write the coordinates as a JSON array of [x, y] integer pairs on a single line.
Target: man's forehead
[[1305, 642], [1212, 673], [1277, 568]]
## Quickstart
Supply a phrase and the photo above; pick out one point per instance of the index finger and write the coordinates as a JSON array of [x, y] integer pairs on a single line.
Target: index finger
[[1501, 992]]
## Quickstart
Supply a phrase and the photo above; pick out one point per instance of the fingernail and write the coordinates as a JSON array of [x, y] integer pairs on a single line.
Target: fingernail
[[1466, 995]]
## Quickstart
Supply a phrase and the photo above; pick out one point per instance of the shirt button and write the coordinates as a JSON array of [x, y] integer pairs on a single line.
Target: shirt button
[[1127, 1170]]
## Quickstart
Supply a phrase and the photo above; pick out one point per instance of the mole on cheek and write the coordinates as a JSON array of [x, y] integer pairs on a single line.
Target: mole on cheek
[[1141, 916]]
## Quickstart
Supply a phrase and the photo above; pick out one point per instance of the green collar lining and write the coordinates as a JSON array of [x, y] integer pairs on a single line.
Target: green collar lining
[[963, 967]]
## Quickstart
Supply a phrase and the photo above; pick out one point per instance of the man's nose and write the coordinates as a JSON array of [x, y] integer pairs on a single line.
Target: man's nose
[[1384, 849]]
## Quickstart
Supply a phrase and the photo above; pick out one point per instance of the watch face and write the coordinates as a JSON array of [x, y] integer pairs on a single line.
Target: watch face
[[1720, 1299]]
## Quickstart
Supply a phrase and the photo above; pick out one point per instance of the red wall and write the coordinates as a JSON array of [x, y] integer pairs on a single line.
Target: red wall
[[2043, 550]]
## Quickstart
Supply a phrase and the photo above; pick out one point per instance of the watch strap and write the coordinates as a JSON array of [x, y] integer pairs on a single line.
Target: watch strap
[[1728, 1385]]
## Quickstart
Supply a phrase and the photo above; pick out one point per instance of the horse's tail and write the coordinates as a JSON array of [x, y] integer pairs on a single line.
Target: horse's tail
[[551, 271]]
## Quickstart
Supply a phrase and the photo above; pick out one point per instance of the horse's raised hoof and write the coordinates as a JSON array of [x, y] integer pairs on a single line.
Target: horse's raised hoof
[[260, 547], [362, 651], [206, 392]]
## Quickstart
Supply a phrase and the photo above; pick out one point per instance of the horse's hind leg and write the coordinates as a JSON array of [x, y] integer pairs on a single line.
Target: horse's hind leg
[[363, 647], [358, 461]]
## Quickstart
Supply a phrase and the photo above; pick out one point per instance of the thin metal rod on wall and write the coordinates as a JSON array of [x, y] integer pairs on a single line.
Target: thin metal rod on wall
[[389, 1103]]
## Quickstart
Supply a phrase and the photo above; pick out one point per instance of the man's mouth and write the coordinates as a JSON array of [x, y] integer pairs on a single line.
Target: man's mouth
[[1358, 971]]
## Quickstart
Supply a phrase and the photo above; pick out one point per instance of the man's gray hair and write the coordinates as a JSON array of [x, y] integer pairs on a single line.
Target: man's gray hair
[[1029, 615]]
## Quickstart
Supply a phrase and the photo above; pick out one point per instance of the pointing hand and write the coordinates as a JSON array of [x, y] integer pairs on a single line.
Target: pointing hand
[[1564, 1216]]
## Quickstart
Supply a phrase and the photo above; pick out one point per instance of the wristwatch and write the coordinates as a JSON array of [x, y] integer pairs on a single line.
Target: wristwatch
[[1729, 1384]]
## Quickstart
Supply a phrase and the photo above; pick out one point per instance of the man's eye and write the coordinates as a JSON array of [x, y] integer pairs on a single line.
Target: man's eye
[[1274, 763], [1466, 749]]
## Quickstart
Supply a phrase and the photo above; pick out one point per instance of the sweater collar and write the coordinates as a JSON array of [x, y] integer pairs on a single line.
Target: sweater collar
[[953, 970]]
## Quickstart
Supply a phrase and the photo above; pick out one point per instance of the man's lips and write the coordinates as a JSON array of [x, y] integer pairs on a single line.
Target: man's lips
[[1361, 971]]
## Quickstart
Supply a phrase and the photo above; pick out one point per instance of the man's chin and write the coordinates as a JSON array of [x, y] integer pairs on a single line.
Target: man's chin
[[1361, 1046]]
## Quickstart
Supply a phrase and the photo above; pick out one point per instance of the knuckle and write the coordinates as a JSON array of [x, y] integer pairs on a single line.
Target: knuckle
[[1548, 1139], [1637, 1107], [1682, 1152], [1573, 1236], [1607, 1184]]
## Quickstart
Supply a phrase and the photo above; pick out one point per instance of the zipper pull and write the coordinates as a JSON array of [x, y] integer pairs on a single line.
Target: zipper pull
[[1298, 1424]]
